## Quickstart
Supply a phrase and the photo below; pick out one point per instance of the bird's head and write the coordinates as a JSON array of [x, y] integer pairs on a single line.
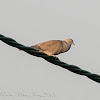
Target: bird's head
[[70, 41]]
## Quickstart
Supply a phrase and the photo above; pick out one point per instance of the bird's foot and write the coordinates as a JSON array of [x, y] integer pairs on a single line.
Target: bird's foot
[[53, 55], [56, 58]]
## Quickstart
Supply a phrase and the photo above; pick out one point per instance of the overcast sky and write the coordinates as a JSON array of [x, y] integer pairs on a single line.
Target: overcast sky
[[26, 77]]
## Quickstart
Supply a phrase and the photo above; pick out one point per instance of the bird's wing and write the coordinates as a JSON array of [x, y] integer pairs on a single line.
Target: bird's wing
[[53, 46]]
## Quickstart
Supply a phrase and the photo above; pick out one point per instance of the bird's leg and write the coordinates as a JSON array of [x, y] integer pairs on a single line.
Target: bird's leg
[[53, 55], [56, 58], [49, 54]]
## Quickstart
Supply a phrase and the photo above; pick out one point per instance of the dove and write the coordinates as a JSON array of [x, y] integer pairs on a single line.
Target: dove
[[54, 47]]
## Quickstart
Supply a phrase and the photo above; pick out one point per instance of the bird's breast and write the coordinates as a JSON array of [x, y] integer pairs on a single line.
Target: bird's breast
[[66, 47]]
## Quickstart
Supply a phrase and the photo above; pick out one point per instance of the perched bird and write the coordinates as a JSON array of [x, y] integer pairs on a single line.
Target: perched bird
[[54, 47]]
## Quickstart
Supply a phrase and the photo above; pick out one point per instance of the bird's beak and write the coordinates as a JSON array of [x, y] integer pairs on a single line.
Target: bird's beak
[[73, 43]]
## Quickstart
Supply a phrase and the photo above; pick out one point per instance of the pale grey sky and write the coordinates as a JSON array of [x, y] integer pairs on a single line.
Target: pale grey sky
[[33, 21]]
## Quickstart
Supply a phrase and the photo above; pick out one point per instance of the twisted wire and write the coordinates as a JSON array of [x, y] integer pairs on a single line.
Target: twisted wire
[[53, 60]]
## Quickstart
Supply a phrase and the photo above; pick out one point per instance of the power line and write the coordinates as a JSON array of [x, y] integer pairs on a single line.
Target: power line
[[50, 59]]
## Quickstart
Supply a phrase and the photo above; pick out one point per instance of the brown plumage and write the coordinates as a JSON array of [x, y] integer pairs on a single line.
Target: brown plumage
[[54, 47]]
